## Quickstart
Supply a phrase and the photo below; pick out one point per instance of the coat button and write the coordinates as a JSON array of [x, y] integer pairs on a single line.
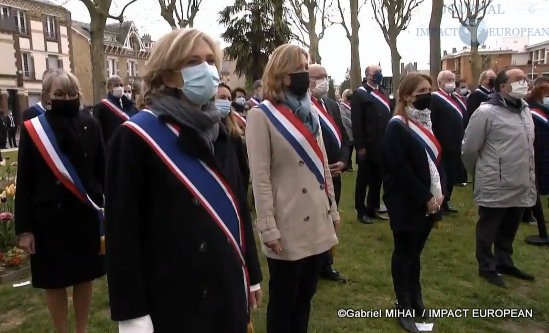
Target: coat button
[[85, 128], [57, 182], [196, 202], [322, 187], [307, 218], [304, 190], [85, 155], [301, 163], [205, 293], [203, 247], [59, 205]]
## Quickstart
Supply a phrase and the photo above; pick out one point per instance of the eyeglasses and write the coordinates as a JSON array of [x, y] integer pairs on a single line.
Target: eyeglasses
[[127, 91]]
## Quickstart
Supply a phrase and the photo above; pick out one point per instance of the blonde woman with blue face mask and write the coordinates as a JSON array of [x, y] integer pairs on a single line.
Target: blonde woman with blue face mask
[[179, 237]]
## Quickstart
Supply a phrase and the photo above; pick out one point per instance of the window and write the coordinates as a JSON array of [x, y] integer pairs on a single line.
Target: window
[[20, 21], [28, 65], [52, 62], [132, 68], [4, 12], [112, 67], [50, 28]]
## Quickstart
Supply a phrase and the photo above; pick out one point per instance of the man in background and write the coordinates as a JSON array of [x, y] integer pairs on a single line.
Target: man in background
[[485, 88]]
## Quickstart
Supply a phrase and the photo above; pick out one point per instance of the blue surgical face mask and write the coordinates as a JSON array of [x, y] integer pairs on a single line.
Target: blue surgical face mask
[[224, 107], [546, 101], [200, 82], [378, 77], [240, 101]]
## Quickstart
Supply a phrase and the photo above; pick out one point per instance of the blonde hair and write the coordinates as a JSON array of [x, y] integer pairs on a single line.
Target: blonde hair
[[68, 82], [284, 60], [346, 94], [233, 125], [168, 55]]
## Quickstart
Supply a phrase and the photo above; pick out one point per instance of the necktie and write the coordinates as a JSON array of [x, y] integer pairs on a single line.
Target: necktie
[[12, 124]]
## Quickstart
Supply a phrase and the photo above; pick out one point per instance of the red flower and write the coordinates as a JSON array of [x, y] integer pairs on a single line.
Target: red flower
[[6, 216]]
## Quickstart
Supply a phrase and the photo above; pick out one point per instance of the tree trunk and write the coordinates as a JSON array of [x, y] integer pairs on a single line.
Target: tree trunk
[[97, 27], [475, 57], [395, 62], [356, 71], [434, 38], [314, 55]]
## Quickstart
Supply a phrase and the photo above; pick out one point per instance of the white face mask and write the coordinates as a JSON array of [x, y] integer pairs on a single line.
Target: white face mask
[[118, 92], [463, 91], [449, 87], [546, 101], [128, 95], [519, 89], [321, 88]]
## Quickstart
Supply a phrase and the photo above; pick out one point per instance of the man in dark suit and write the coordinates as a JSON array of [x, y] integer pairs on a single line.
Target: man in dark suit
[[447, 112], [12, 129], [371, 113], [113, 110], [3, 130], [485, 88], [336, 143]]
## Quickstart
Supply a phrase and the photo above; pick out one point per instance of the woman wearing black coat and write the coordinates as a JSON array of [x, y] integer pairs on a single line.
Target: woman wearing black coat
[[60, 231], [412, 189], [172, 265]]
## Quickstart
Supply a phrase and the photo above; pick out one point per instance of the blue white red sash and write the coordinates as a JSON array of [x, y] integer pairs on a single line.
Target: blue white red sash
[[483, 91], [115, 109], [424, 136], [254, 102], [203, 182], [298, 136], [327, 122], [459, 107], [240, 118], [345, 104], [378, 97], [39, 108], [43, 137], [540, 115]]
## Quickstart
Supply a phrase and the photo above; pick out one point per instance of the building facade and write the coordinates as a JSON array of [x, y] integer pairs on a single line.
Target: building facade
[[33, 38], [125, 55], [229, 77]]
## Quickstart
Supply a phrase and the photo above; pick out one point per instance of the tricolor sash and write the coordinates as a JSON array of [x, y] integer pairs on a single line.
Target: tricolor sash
[[298, 136], [459, 107], [423, 136], [204, 183], [327, 122], [43, 137], [115, 109], [483, 91], [39, 108], [540, 115], [379, 98], [254, 102], [346, 105], [240, 118]]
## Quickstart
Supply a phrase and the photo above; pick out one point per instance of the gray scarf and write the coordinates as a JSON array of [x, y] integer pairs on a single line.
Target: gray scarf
[[205, 120], [421, 116], [302, 109]]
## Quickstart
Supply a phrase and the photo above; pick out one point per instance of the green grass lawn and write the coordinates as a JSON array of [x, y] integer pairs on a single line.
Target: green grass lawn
[[449, 280]]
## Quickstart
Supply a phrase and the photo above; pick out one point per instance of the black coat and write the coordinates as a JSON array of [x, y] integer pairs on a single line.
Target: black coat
[[166, 256], [66, 230], [406, 179], [541, 151], [30, 113], [473, 102], [333, 151], [369, 122], [110, 121], [447, 125]]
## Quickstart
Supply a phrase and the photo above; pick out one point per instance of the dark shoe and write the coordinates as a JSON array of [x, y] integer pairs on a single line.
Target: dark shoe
[[333, 275], [382, 209], [513, 271], [378, 217], [494, 278], [529, 217], [364, 219], [449, 209], [406, 317]]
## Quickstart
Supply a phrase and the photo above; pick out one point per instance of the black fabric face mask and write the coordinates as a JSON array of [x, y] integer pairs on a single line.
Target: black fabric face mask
[[299, 83], [491, 83], [65, 107], [423, 101]]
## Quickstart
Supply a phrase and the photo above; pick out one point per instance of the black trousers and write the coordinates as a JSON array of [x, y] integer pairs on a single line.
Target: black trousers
[[406, 263], [497, 227], [451, 162], [536, 211], [327, 259], [11, 136], [368, 176], [292, 285], [3, 137], [350, 160]]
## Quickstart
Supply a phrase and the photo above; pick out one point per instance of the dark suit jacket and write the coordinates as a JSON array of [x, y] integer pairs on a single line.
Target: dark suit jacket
[[333, 151], [473, 102], [369, 122], [166, 255], [447, 125], [110, 121]]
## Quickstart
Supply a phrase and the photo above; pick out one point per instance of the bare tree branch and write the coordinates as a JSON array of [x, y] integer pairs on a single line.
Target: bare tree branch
[[343, 22], [89, 4], [363, 4], [120, 17]]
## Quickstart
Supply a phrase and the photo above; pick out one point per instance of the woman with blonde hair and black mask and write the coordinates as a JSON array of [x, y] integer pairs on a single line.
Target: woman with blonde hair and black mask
[[181, 250], [294, 196]]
